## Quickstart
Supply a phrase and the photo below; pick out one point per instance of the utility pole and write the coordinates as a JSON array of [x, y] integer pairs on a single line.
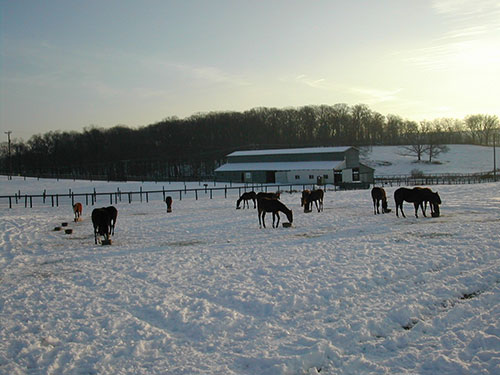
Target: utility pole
[[10, 159], [494, 156]]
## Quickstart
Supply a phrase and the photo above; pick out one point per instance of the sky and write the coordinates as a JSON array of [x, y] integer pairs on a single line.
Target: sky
[[68, 65]]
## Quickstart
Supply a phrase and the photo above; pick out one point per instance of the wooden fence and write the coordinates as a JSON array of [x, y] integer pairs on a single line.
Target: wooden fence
[[141, 196], [145, 196]]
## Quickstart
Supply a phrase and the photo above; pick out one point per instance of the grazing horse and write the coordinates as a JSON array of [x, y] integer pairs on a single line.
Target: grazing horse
[[432, 198], [416, 196], [101, 222], [305, 193], [275, 206], [113, 213], [245, 197], [168, 201], [315, 196], [378, 195], [77, 210]]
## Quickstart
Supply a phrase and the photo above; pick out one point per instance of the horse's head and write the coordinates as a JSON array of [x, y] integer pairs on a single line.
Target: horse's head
[[437, 198], [289, 216], [384, 206]]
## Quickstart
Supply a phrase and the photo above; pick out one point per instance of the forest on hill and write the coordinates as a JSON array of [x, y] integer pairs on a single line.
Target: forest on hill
[[193, 147]]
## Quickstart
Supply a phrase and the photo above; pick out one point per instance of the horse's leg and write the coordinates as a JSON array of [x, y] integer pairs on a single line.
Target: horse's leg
[[254, 206], [278, 216], [416, 204], [263, 221]]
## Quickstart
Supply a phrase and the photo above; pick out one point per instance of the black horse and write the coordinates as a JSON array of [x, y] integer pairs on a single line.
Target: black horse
[[168, 202], [113, 214], [102, 222], [245, 197], [432, 198], [416, 196], [378, 195], [315, 196], [275, 206]]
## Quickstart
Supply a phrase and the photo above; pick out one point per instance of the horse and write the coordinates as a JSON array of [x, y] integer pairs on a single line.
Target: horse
[[378, 195], [77, 210], [275, 206], [416, 196], [305, 193], [245, 197], [268, 195], [432, 198], [113, 213], [315, 196], [168, 201], [101, 221]]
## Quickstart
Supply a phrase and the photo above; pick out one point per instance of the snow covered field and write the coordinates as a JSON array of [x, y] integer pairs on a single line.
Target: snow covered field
[[204, 290]]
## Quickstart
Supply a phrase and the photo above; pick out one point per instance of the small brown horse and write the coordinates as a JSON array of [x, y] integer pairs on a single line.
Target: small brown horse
[[275, 206], [77, 210], [315, 196], [245, 197], [378, 195], [168, 201], [416, 196]]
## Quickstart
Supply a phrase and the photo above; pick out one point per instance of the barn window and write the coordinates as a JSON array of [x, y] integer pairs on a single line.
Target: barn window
[[311, 177], [325, 177], [355, 174], [297, 177]]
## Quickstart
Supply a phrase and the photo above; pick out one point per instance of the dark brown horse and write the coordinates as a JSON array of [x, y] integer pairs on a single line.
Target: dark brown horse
[[168, 202], [275, 206], [101, 222], [315, 196], [416, 196], [245, 197], [432, 198], [378, 195], [113, 214]]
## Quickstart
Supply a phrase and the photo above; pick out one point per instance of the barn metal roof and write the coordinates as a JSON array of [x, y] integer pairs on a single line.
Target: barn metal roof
[[280, 166], [285, 151]]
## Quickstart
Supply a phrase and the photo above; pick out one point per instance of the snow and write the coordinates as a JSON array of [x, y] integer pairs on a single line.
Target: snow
[[204, 290], [387, 160]]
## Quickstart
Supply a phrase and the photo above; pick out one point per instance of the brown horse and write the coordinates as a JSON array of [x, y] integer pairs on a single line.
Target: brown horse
[[378, 195], [168, 201], [245, 197], [77, 210], [315, 196], [275, 206], [416, 196]]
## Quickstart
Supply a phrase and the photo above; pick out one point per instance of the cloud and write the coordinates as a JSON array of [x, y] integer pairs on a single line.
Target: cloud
[[373, 96], [314, 83]]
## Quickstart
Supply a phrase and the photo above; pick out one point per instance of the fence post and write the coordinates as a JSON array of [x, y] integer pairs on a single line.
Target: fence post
[[211, 193], [25, 200], [57, 200], [196, 193], [31, 201], [147, 197], [129, 198], [52, 199], [225, 191], [110, 198], [10, 202], [180, 195]]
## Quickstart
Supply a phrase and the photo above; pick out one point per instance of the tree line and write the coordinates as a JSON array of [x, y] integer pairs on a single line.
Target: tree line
[[196, 145]]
